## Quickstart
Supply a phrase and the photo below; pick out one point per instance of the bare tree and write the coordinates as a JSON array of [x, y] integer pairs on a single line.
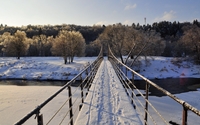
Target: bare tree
[[190, 41], [69, 44], [115, 36], [133, 39], [150, 43]]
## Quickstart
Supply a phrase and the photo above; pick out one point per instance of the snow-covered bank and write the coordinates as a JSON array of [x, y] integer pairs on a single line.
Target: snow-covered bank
[[167, 67], [41, 68], [53, 68]]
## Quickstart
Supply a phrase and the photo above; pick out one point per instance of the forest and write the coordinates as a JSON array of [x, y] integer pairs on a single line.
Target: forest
[[170, 39]]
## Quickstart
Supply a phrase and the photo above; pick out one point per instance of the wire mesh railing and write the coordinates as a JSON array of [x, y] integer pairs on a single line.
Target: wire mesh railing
[[143, 100], [74, 103]]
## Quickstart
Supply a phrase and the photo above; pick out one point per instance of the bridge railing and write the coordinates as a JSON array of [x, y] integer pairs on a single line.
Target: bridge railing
[[85, 78], [130, 88]]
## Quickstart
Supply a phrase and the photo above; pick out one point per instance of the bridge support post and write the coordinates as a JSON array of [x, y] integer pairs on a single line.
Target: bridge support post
[[82, 95], [39, 119], [184, 116], [126, 71], [132, 87], [146, 104], [88, 79], [70, 105]]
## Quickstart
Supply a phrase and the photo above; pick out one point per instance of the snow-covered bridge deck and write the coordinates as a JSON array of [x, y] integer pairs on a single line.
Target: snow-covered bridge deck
[[107, 102]]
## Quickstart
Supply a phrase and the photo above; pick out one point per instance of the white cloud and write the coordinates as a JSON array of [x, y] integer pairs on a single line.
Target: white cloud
[[101, 23], [167, 16], [128, 7], [127, 22]]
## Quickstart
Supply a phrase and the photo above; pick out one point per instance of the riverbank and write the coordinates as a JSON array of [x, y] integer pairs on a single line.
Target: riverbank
[[41, 68], [167, 67], [53, 68]]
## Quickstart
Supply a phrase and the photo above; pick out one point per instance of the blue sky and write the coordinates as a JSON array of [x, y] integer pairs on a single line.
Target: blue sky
[[90, 12]]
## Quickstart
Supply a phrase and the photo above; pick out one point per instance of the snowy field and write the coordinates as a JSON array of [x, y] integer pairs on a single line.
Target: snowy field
[[42, 68], [53, 68], [167, 67], [17, 101]]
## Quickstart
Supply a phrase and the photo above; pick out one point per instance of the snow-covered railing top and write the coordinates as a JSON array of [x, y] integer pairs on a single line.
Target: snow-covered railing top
[[186, 106]]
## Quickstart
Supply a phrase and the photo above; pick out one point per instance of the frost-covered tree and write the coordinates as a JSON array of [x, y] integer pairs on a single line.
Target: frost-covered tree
[[94, 48], [69, 44], [4, 40], [15, 45], [77, 45], [40, 41]]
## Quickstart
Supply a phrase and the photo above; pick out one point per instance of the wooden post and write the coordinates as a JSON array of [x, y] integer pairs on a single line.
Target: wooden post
[[70, 104], [146, 104], [184, 116]]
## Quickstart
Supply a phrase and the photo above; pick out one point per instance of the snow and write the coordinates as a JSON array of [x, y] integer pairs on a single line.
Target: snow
[[170, 109], [17, 101], [41, 68], [173, 111], [107, 102], [53, 68], [167, 67]]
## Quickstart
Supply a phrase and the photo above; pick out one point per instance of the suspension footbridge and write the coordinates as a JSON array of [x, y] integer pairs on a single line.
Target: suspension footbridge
[[108, 96]]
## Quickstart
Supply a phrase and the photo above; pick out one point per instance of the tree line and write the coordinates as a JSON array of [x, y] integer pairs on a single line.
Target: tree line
[[163, 38], [159, 39]]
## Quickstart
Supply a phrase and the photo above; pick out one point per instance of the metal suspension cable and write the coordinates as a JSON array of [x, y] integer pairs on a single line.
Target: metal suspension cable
[[57, 112]]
